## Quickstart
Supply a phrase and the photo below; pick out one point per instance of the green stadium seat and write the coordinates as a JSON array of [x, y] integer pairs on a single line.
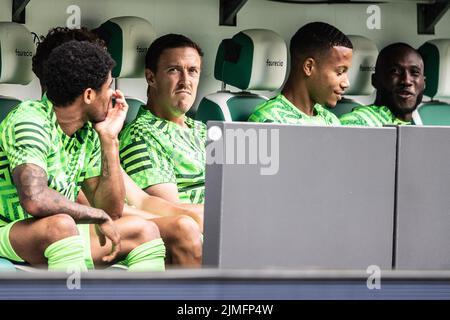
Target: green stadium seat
[[433, 113], [133, 107], [253, 59], [365, 54], [128, 39], [16, 51], [6, 105], [345, 105], [436, 58]]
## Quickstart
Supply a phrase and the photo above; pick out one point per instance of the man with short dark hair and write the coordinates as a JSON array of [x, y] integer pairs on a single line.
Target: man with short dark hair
[[49, 149], [320, 58], [400, 82], [163, 150]]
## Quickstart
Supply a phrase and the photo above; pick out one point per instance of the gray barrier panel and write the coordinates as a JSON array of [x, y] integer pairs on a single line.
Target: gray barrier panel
[[331, 204], [423, 198]]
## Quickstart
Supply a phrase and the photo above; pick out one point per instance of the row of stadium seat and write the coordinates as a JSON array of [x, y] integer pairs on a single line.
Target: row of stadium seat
[[254, 59], [127, 39]]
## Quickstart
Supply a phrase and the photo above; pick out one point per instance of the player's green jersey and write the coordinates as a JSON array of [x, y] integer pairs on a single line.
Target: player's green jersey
[[30, 134], [280, 110], [371, 116], [154, 151]]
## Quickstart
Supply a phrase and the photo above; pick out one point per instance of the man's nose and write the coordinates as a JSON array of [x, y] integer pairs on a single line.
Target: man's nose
[[346, 83], [406, 78], [184, 76]]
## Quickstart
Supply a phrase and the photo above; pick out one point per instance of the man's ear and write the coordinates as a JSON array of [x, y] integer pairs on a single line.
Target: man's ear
[[150, 77], [308, 66], [89, 95]]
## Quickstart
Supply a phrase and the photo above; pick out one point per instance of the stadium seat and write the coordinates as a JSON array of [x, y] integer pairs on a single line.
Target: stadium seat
[[365, 54], [436, 57], [6, 105], [253, 59], [433, 113], [128, 39], [133, 107], [16, 50]]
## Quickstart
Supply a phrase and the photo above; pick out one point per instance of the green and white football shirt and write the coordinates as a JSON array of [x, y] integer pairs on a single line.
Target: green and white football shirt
[[155, 150], [280, 110], [371, 116], [30, 134]]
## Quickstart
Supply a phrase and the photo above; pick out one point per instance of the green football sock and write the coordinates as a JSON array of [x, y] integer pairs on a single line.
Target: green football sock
[[66, 254], [148, 256]]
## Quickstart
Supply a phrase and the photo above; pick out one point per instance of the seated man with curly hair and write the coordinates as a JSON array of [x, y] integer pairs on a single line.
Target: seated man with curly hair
[[49, 149]]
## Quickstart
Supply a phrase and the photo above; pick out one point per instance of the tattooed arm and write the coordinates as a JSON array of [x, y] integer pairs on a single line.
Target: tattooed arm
[[37, 199]]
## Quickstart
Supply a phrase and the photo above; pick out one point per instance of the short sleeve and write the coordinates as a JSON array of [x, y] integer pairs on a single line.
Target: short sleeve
[[26, 142]]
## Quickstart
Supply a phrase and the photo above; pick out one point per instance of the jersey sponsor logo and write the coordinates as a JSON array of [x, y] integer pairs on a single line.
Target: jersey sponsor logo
[[274, 63], [23, 53]]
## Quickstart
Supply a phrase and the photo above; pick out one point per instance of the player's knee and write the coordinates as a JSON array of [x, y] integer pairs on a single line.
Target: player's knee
[[187, 226], [188, 231], [144, 230], [58, 227], [150, 231]]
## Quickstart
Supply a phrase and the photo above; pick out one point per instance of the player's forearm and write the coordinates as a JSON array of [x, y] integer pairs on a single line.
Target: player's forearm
[[48, 202], [196, 212], [110, 192], [131, 211], [158, 206], [196, 208], [164, 208]]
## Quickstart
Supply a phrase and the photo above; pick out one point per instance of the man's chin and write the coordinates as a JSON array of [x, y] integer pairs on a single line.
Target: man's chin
[[184, 107], [403, 110], [406, 108], [330, 105], [95, 121]]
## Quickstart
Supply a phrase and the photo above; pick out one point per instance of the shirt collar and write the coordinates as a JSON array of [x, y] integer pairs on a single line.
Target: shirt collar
[[395, 120], [143, 111], [318, 109]]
